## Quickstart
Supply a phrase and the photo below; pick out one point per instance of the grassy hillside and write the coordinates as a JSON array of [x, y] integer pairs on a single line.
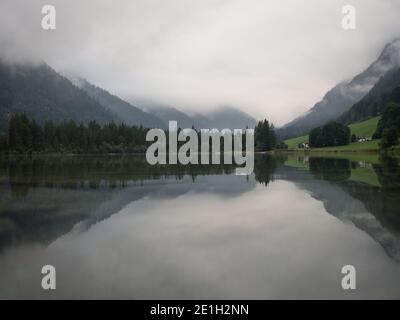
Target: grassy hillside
[[294, 142], [365, 128], [361, 129]]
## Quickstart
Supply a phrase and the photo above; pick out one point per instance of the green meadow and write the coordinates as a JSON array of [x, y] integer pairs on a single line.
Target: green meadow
[[360, 129]]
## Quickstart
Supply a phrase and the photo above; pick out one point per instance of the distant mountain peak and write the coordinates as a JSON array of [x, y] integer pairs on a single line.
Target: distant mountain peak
[[391, 53], [223, 117]]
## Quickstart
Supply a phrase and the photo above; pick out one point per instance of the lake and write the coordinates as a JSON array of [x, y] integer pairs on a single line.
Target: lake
[[116, 227]]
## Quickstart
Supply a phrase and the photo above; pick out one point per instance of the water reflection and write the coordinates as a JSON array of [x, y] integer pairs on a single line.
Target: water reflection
[[186, 226], [44, 197], [330, 169], [363, 193]]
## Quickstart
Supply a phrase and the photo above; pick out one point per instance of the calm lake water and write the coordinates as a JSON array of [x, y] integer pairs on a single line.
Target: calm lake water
[[115, 227]]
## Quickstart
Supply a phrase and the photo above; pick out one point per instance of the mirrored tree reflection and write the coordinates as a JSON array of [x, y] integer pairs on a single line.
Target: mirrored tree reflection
[[43, 198], [330, 169], [363, 193]]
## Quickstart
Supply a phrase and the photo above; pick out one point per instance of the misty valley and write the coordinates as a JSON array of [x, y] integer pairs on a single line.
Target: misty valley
[[182, 151]]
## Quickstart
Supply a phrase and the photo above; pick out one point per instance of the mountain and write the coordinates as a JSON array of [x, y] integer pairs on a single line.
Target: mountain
[[386, 90], [128, 113], [42, 94], [232, 118], [343, 96], [166, 113], [221, 118]]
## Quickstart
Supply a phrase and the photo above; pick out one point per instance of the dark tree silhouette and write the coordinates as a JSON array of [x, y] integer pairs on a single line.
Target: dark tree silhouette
[[390, 138], [264, 136], [330, 135], [26, 135]]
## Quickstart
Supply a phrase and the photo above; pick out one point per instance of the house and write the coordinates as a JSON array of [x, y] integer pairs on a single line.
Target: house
[[364, 139], [304, 145]]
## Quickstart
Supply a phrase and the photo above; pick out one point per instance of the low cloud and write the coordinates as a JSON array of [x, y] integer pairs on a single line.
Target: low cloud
[[272, 59]]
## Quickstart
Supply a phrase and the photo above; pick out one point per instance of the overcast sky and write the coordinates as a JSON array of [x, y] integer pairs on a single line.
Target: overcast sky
[[272, 59]]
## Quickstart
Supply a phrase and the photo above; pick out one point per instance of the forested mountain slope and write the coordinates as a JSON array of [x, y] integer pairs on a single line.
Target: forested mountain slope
[[42, 94]]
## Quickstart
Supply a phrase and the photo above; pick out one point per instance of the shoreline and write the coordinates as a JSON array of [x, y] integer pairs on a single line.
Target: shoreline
[[395, 150]]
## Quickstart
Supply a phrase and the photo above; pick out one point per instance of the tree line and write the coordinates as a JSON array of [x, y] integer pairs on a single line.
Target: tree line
[[26, 135], [337, 134], [389, 126], [330, 135]]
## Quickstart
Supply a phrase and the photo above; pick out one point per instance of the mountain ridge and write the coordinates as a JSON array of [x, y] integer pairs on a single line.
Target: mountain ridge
[[128, 113], [224, 117], [386, 90], [43, 95], [344, 95]]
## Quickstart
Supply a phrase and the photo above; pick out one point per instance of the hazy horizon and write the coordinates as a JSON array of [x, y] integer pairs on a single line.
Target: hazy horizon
[[271, 60]]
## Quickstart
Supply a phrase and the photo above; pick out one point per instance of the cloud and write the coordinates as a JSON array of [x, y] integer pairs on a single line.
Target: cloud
[[272, 59]]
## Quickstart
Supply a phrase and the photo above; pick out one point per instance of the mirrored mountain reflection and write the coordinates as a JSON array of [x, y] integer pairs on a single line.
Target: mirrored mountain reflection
[[199, 231], [43, 198], [361, 192]]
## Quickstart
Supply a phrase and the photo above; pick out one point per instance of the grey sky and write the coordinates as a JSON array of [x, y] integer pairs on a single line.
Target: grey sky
[[272, 59]]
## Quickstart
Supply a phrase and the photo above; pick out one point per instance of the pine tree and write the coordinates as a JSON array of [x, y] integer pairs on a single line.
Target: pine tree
[[390, 137], [264, 136]]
